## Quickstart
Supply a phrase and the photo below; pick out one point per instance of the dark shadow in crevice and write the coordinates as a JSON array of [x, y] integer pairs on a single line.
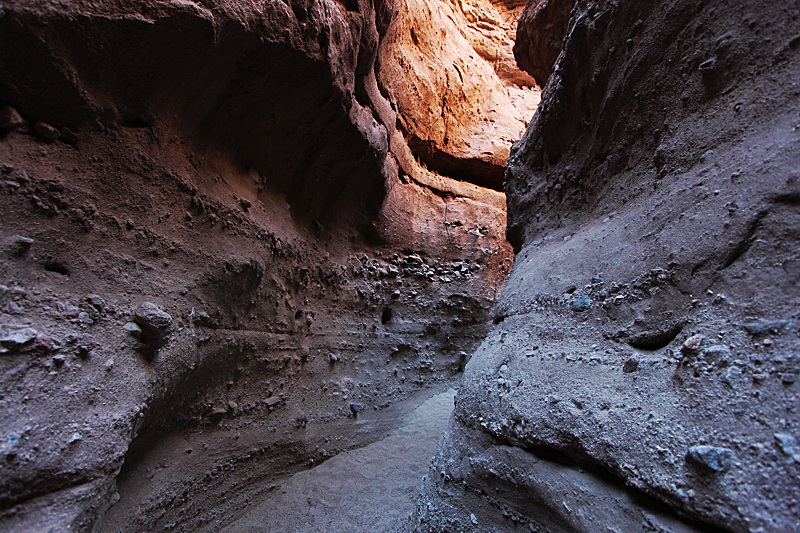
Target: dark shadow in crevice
[[472, 170], [640, 498]]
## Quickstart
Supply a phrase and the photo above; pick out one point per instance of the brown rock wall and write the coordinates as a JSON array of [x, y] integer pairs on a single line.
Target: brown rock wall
[[456, 112], [238, 165]]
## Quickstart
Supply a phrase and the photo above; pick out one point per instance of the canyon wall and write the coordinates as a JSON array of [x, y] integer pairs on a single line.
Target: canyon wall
[[234, 240], [641, 371]]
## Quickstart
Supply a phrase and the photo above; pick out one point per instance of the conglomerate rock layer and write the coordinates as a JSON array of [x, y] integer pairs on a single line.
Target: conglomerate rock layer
[[224, 257], [641, 373]]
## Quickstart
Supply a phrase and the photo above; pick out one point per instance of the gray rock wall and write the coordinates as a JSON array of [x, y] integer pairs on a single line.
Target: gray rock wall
[[641, 371]]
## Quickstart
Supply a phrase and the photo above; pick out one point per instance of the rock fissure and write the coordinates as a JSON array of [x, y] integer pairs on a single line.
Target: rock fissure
[[594, 478]]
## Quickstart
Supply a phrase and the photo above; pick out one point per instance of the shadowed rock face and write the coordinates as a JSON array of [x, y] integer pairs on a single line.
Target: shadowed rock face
[[238, 172], [543, 27], [632, 379]]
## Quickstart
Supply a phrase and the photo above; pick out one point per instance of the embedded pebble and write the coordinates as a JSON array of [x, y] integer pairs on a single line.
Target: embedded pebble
[[46, 131], [19, 245], [68, 136], [133, 330], [272, 401], [10, 119], [581, 303], [96, 301], [732, 376], [716, 352], [8, 448], [787, 443], [155, 323], [712, 457], [631, 365], [693, 343], [15, 340], [765, 327]]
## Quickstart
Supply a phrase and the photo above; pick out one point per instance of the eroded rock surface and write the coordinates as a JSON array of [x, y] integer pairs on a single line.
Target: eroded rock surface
[[460, 99], [641, 372], [543, 26], [218, 246]]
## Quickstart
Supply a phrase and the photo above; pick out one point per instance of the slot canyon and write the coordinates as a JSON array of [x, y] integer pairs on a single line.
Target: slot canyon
[[399, 266]]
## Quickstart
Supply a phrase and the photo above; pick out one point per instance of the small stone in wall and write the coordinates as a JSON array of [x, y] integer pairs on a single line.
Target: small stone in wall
[[712, 457], [155, 323], [46, 131], [19, 245], [581, 303], [272, 401], [68, 136], [97, 302], [9, 446], [631, 365], [716, 353], [765, 327], [787, 443], [693, 344], [9, 120], [133, 330], [15, 340]]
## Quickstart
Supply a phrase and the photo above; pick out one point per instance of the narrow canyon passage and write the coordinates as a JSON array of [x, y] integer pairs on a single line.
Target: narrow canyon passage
[[249, 248], [369, 489]]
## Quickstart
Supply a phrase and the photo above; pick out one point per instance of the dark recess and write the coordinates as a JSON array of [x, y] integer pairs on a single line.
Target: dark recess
[[52, 265], [477, 171]]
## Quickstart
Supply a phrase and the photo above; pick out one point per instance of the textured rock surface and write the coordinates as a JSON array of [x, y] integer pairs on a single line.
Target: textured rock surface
[[543, 26], [235, 164], [460, 100], [653, 206]]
